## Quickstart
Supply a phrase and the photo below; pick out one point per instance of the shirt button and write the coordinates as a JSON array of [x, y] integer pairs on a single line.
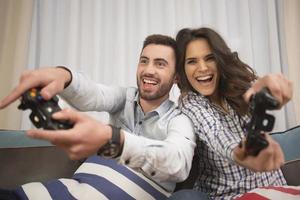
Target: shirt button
[[127, 162], [152, 173]]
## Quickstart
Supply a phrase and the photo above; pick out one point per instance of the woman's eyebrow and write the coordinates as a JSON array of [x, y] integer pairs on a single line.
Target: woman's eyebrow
[[209, 55], [190, 58]]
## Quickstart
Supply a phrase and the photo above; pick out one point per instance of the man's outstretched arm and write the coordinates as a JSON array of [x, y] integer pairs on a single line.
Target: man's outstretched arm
[[167, 160]]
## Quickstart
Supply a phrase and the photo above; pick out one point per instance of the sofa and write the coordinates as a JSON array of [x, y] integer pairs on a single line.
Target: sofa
[[26, 160], [289, 141]]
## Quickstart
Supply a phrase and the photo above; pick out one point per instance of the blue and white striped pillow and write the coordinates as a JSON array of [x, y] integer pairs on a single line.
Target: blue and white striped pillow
[[96, 178]]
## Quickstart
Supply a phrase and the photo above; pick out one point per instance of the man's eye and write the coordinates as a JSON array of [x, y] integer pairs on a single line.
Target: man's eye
[[160, 64], [143, 61]]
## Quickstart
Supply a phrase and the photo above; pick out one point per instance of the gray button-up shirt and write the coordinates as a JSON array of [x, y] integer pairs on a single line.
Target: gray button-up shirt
[[160, 144]]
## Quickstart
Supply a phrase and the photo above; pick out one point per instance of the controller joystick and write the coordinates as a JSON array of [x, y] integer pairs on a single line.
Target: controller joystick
[[42, 110], [260, 121]]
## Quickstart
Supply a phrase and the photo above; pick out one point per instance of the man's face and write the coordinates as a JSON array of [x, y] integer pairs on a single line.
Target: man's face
[[156, 72]]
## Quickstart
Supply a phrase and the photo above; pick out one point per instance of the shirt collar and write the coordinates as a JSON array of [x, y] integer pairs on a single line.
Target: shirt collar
[[199, 98], [160, 110]]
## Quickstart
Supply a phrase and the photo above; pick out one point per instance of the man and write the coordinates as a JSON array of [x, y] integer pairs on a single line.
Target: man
[[155, 139]]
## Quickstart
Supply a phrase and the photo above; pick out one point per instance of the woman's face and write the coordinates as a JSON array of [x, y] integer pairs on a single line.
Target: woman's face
[[201, 68]]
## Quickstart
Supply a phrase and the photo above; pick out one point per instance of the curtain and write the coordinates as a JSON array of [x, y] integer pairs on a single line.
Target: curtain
[[15, 23], [103, 38], [291, 29]]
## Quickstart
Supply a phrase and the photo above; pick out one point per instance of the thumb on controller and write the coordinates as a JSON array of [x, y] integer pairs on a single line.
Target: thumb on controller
[[67, 114]]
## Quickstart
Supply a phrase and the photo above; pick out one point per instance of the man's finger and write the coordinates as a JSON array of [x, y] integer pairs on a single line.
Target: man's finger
[[18, 91], [14, 95], [51, 90], [67, 114], [58, 136]]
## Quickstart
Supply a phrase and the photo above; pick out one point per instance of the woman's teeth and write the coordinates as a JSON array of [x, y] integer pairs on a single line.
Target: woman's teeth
[[205, 78]]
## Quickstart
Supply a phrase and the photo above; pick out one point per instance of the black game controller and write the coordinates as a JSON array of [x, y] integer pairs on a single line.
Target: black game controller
[[42, 110], [260, 121]]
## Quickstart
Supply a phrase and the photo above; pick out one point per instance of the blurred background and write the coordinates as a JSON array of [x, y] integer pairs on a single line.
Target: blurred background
[[103, 38]]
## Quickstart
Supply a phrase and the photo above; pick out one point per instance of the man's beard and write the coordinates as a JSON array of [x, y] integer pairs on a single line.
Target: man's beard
[[162, 91]]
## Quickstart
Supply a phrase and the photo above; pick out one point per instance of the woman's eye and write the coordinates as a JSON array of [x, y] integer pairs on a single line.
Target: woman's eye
[[210, 58], [190, 62]]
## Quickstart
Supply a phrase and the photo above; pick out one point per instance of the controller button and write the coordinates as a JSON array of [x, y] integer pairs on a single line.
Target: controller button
[[49, 110], [40, 98], [32, 93], [36, 119]]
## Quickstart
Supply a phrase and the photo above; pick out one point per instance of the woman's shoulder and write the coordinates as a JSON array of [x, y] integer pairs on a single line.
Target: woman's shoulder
[[195, 104], [194, 99]]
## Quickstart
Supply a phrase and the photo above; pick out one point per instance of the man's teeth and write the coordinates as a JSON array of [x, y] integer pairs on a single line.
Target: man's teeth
[[204, 78], [150, 81]]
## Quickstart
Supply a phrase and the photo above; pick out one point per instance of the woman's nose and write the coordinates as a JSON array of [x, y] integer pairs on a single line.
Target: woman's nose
[[202, 66]]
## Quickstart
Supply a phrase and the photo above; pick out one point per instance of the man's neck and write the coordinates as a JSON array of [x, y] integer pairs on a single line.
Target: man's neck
[[149, 105]]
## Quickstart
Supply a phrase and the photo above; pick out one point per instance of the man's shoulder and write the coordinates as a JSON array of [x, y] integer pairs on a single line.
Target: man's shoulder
[[176, 115], [179, 116], [131, 93]]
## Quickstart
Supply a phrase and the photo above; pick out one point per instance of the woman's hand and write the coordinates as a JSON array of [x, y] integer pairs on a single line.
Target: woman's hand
[[280, 87], [268, 159]]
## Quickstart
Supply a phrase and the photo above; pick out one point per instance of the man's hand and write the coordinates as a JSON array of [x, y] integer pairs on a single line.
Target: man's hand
[[268, 159], [51, 80], [83, 140], [279, 86]]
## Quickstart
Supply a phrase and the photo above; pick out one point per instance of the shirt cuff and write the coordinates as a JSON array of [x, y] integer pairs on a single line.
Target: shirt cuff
[[73, 86], [229, 152], [133, 154]]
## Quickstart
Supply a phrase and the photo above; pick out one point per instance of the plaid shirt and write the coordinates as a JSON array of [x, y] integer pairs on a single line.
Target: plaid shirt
[[218, 133]]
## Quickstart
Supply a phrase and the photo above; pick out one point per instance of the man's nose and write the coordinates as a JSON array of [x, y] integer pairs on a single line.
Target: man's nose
[[150, 68]]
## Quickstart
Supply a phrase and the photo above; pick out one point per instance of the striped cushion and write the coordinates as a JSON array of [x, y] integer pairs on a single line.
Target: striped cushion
[[96, 178], [274, 193]]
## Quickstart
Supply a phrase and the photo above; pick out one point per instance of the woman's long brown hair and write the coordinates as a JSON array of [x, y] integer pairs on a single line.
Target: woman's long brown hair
[[235, 76]]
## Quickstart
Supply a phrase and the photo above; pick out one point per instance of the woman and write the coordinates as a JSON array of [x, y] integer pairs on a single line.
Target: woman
[[213, 81]]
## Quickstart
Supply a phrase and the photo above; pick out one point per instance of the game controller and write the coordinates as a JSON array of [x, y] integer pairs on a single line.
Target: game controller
[[42, 110], [260, 121]]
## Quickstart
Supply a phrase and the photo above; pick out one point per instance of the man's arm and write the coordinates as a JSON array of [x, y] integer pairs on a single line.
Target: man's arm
[[51, 80], [86, 95], [167, 160], [81, 92]]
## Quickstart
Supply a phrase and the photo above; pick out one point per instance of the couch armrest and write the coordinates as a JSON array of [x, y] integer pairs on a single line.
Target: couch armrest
[[29, 164]]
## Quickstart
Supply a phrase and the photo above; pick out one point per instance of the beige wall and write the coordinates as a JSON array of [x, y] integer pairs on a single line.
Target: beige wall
[[15, 23], [292, 33]]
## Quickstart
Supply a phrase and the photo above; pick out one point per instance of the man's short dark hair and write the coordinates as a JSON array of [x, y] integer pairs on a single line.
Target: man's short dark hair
[[162, 40]]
